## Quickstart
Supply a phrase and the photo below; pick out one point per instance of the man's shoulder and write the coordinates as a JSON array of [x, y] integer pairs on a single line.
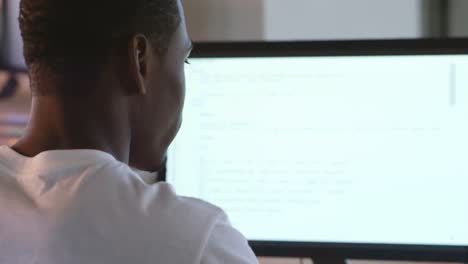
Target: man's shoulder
[[171, 222], [201, 205], [188, 205], [162, 197]]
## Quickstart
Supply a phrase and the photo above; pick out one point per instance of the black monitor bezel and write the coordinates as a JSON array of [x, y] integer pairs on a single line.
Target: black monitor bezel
[[345, 48], [331, 48]]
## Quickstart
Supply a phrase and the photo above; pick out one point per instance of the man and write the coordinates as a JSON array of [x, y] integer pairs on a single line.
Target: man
[[107, 80]]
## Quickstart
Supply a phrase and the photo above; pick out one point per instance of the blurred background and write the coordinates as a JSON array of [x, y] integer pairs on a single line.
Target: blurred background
[[221, 20], [252, 20], [14, 82]]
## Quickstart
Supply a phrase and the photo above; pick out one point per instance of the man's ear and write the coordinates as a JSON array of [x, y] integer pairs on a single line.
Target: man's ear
[[139, 52]]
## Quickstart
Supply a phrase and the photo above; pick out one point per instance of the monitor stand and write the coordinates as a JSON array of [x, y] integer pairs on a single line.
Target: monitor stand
[[328, 260]]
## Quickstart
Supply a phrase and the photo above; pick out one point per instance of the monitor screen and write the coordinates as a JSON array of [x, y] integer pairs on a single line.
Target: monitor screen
[[337, 149]]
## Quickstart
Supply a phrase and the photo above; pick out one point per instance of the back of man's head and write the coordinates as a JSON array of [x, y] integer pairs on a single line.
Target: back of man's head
[[106, 75], [59, 34]]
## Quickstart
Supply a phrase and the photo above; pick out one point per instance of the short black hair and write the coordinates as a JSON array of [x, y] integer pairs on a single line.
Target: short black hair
[[66, 31]]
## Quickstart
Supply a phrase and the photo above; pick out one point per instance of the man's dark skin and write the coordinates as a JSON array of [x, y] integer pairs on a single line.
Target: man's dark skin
[[133, 110]]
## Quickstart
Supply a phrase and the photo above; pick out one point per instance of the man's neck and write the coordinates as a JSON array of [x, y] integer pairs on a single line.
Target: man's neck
[[62, 123]]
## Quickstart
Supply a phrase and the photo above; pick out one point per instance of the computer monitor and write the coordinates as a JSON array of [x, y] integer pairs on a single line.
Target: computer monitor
[[356, 149]]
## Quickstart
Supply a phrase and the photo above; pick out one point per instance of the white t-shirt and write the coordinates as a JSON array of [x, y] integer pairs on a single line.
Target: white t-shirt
[[83, 206]]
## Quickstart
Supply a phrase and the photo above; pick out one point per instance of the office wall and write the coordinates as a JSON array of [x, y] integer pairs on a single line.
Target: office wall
[[338, 19], [458, 19], [223, 20]]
